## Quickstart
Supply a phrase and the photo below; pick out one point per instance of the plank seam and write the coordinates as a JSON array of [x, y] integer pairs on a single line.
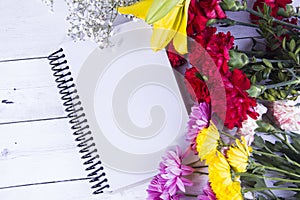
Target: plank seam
[[44, 183], [20, 59], [33, 120]]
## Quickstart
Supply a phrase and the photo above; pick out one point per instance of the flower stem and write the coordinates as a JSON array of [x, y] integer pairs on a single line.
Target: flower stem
[[267, 177], [288, 143], [192, 163], [201, 173], [291, 82], [279, 170], [258, 60], [248, 37], [200, 167], [231, 22], [266, 154], [273, 19], [270, 188], [228, 135], [190, 195]]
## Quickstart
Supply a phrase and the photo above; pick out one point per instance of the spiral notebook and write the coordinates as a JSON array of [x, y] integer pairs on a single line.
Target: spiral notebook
[[124, 105]]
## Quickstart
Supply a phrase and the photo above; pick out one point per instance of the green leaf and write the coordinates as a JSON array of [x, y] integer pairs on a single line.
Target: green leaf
[[282, 94], [297, 50], [284, 43], [159, 9], [292, 55], [266, 73], [267, 63], [258, 67], [280, 66], [292, 45], [253, 79], [281, 76]]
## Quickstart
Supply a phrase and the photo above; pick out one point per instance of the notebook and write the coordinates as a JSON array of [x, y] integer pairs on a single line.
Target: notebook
[[124, 105]]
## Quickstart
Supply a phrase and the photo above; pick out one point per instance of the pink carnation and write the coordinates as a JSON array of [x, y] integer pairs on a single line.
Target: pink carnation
[[286, 116]]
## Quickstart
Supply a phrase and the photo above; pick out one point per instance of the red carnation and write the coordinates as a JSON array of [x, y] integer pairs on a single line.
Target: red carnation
[[196, 87], [239, 103], [175, 58], [216, 46], [212, 9], [200, 12]]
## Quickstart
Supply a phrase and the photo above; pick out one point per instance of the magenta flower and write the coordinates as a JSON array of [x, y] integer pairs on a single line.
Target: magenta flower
[[198, 119], [170, 181], [156, 188], [207, 194]]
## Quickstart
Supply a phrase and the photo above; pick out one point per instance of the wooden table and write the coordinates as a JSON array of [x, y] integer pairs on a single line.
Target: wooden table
[[39, 158]]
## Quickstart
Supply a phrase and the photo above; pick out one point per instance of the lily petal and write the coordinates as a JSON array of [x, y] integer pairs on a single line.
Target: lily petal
[[139, 9], [159, 9], [180, 39], [165, 29]]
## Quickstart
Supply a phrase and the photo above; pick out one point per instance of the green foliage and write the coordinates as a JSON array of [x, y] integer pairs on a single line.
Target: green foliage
[[276, 160], [278, 68]]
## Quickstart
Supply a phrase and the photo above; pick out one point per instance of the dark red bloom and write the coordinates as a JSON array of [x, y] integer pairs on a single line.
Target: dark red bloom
[[239, 103], [196, 87], [218, 48], [212, 9], [175, 58], [200, 12]]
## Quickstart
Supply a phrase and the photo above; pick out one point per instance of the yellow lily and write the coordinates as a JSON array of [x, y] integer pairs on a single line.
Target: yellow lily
[[170, 26]]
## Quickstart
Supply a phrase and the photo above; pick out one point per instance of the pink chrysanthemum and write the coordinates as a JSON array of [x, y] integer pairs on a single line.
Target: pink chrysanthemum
[[170, 181], [198, 119], [207, 194]]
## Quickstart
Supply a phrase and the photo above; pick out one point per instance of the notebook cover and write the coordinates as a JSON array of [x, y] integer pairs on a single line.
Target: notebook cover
[[131, 102]]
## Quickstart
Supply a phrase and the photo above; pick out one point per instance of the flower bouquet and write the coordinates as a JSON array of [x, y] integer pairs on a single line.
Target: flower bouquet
[[243, 125]]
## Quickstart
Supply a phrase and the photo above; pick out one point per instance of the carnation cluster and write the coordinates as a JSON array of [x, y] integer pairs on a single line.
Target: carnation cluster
[[235, 94]]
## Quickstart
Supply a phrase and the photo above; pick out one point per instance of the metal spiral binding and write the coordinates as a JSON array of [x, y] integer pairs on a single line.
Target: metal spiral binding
[[66, 86]]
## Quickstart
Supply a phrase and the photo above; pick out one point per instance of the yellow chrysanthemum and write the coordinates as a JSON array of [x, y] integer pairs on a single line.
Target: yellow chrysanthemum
[[238, 155], [207, 142], [170, 26], [221, 181]]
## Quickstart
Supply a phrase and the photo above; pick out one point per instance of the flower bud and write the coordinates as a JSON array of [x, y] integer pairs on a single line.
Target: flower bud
[[287, 12], [265, 127], [237, 59], [256, 90], [233, 5]]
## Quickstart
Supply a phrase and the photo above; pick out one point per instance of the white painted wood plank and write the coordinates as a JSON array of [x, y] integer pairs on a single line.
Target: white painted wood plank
[[25, 74], [30, 104], [78, 190], [28, 28], [37, 152], [39, 137], [41, 166], [28, 91]]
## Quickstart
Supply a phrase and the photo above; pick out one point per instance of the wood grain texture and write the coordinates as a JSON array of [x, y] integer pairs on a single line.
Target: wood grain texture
[[38, 155], [28, 91]]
